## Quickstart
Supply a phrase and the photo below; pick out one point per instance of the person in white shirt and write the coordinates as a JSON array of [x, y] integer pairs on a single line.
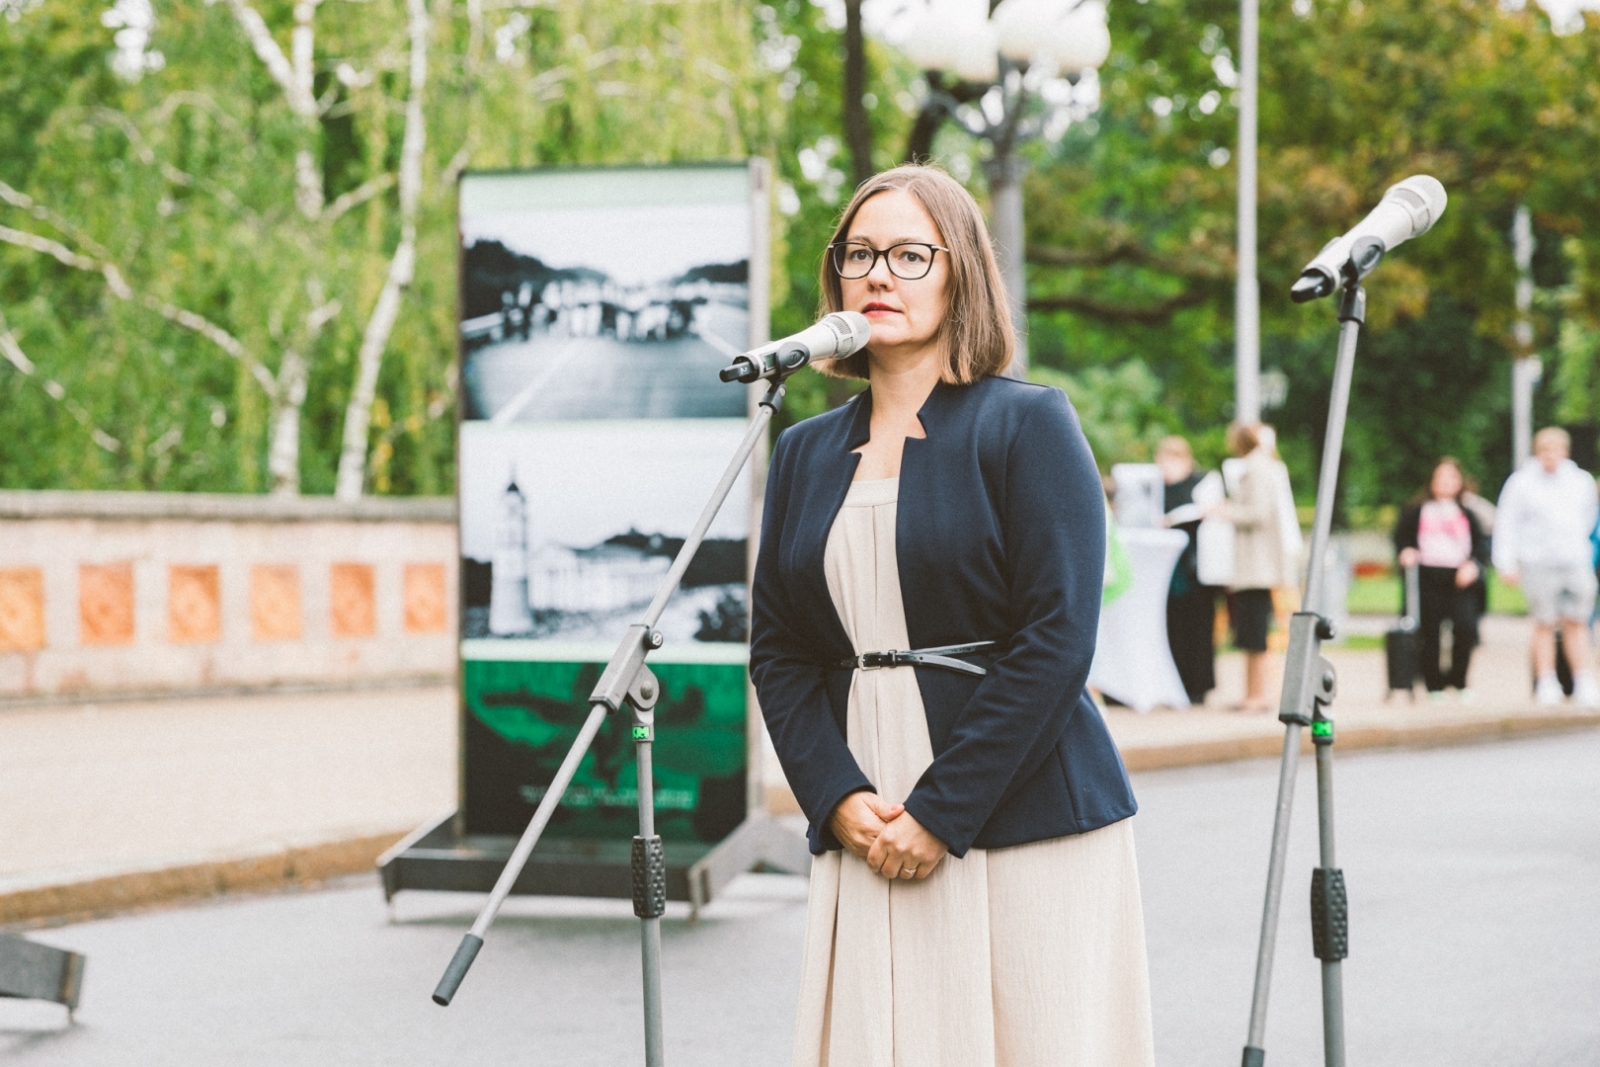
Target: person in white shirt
[[1541, 542]]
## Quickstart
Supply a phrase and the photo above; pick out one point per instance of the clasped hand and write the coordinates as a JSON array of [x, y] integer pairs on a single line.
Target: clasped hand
[[893, 843]]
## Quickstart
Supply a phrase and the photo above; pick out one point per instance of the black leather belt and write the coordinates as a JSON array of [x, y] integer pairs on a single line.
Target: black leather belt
[[921, 657]]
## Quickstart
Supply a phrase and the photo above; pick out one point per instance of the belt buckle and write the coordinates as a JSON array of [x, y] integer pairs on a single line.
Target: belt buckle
[[871, 661]]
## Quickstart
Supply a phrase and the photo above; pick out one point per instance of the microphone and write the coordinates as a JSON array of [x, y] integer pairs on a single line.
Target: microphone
[[835, 336], [1409, 209]]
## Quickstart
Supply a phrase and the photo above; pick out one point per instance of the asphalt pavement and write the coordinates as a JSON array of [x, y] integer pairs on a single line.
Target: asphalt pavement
[[1474, 940]]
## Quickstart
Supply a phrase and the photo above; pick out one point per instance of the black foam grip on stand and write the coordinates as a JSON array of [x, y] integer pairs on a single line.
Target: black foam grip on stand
[[465, 954], [1254, 1057], [649, 878], [1330, 915]]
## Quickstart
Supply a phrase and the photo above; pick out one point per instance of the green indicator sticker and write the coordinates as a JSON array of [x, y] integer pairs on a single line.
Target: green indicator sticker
[[641, 733], [1322, 728]]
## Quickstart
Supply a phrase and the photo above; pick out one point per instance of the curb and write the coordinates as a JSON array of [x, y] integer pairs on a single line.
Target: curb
[[98, 897], [311, 864]]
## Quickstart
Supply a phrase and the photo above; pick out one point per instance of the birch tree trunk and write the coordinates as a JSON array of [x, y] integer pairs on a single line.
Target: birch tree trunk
[[283, 454], [402, 269], [294, 75]]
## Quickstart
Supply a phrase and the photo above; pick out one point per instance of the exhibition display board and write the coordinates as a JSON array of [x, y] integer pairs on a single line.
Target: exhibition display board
[[597, 306]]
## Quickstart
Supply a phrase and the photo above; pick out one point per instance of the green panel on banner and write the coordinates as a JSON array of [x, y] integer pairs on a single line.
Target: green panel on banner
[[522, 717]]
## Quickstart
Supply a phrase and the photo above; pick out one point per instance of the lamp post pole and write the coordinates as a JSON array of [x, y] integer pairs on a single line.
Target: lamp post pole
[[1526, 370], [1247, 294], [1004, 171], [1004, 61]]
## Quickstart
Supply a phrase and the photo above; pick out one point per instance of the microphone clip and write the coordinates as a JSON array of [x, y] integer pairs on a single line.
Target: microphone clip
[[787, 358], [1316, 282]]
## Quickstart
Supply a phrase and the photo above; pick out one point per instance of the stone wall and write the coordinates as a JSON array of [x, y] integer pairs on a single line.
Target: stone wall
[[123, 593]]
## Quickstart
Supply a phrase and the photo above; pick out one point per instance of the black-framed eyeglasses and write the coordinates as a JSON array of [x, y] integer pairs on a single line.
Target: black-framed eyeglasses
[[909, 260]]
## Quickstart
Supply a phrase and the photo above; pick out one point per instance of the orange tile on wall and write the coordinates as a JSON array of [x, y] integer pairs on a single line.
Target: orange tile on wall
[[194, 605], [21, 609], [105, 603], [426, 609], [275, 602], [350, 600]]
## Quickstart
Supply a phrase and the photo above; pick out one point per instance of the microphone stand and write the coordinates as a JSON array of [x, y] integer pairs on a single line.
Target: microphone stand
[[1308, 690], [626, 684]]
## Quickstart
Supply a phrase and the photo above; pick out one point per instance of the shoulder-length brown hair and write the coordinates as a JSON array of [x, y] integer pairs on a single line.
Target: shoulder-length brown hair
[[1425, 494], [976, 331]]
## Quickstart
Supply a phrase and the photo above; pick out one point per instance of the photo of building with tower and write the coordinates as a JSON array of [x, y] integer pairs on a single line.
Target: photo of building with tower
[[558, 546]]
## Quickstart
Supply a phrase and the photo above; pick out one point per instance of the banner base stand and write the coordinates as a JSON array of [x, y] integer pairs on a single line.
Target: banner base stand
[[435, 857]]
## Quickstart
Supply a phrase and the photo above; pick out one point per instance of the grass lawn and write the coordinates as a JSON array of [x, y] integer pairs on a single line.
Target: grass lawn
[[1381, 596]]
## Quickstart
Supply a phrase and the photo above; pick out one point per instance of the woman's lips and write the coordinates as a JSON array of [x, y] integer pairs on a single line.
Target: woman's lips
[[883, 309]]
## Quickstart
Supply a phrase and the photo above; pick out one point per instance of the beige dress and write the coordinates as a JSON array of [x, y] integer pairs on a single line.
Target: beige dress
[[1031, 956]]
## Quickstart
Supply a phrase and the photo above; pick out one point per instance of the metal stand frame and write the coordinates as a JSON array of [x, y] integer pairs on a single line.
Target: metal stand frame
[[31, 971], [627, 684], [1308, 690]]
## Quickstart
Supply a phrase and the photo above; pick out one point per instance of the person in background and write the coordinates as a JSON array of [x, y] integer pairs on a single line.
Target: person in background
[[1260, 563], [1541, 543], [1191, 606], [1444, 540]]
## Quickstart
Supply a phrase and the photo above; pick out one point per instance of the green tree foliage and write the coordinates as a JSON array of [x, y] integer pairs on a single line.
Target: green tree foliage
[[1131, 216], [1119, 407], [186, 254], [185, 180]]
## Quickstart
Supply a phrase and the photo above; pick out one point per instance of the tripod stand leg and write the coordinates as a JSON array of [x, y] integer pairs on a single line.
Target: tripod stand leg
[[1288, 767], [649, 889], [472, 941], [1329, 910]]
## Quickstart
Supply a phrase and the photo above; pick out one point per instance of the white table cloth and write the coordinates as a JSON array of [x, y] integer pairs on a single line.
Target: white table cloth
[[1132, 661]]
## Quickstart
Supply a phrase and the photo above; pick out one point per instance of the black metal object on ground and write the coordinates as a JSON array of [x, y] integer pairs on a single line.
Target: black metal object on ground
[[31, 971], [436, 858]]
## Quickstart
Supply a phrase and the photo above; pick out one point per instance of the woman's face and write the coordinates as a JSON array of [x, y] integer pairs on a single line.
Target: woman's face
[[1446, 484], [905, 315]]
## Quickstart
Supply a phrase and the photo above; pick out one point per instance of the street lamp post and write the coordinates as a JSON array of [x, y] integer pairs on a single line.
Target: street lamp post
[[1033, 55], [1247, 293], [1526, 370]]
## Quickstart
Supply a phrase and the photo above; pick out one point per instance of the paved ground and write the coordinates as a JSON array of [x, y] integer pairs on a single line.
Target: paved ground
[[1472, 874], [90, 791]]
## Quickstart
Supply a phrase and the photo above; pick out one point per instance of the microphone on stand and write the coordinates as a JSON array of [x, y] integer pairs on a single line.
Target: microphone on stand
[[1409, 209], [835, 336]]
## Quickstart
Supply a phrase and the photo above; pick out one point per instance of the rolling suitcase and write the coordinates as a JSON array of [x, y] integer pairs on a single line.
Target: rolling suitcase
[[1400, 644]]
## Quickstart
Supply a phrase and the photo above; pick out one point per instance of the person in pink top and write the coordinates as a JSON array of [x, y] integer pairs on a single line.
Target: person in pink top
[[1447, 545]]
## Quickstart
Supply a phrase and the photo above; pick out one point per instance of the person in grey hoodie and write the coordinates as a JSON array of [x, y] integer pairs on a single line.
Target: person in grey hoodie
[[1541, 542]]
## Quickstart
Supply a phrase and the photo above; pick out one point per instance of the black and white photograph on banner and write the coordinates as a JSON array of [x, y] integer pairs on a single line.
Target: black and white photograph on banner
[[567, 529], [604, 294]]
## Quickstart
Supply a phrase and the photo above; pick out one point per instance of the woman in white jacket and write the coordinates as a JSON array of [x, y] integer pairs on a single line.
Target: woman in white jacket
[[1261, 560]]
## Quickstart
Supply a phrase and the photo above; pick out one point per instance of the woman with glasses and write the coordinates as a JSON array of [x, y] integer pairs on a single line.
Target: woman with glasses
[[924, 614]]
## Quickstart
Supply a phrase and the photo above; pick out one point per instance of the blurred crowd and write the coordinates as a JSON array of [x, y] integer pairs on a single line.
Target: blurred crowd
[[1542, 535]]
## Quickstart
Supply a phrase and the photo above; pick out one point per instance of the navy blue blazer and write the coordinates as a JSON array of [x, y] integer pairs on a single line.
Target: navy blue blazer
[[1000, 535]]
